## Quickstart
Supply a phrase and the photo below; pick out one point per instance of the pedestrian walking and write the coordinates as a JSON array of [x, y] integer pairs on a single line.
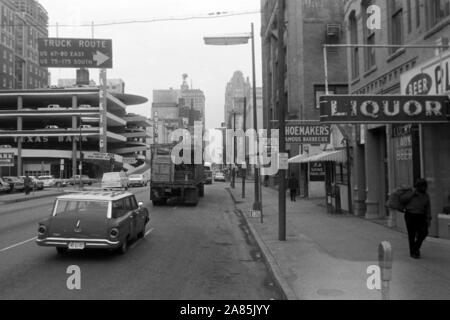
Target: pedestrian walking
[[293, 187], [417, 216], [28, 183]]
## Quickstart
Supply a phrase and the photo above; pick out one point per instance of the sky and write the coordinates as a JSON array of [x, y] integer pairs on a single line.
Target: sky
[[154, 55]]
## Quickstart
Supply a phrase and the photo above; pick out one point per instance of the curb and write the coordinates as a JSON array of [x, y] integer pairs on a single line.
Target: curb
[[30, 199], [269, 259]]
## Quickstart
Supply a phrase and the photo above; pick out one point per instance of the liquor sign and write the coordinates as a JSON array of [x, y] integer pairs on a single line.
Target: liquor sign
[[308, 134], [6, 159], [360, 109], [432, 77], [75, 53]]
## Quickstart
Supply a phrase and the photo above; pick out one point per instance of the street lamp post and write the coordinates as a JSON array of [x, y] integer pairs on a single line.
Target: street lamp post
[[240, 40]]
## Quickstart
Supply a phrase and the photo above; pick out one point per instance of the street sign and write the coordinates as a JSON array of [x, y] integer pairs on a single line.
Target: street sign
[[283, 161], [97, 156], [308, 134], [360, 109], [75, 53], [6, 159]]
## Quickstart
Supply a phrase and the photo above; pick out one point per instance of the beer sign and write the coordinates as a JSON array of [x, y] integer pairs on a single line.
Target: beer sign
[[361, 109]]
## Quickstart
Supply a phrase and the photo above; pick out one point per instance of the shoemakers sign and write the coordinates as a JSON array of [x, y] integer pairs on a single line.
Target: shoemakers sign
[[362, 109], [75, 53], [308, 134]]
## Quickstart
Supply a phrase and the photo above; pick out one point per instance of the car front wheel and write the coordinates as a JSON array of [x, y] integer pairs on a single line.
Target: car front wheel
[[123, 247]]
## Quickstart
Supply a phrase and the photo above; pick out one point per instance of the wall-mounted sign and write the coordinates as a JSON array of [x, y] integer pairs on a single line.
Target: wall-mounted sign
[[308, 134], [384, 109], [98, 156], [283, 161], [75, 53], [317, 172], [432, 77], [44, 139], [6, 159]]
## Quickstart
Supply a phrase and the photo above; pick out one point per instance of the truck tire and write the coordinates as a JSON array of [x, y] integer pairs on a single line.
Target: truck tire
[[201, 190]]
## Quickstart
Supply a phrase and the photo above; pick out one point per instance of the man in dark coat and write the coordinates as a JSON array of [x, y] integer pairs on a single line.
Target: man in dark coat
[[417, 216], [28, 183], [293, 186]]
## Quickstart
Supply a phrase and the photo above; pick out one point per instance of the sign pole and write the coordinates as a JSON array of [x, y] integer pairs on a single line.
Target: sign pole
[[244, 170], [282, 120]]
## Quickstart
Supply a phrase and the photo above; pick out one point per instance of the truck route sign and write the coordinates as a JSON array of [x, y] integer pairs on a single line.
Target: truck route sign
[[75, 53]]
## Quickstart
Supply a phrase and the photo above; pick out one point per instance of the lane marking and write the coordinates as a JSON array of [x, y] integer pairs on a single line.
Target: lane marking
[[148, 232], [18, 245]]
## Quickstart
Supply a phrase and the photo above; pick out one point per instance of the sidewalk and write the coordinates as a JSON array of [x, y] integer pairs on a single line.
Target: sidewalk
[[22, 197], [327, 256]]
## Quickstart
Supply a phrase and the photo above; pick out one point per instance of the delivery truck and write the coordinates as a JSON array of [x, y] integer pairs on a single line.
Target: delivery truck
[[182, 183]]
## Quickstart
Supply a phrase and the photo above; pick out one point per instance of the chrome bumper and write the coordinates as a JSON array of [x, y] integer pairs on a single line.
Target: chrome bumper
[[89, 243]]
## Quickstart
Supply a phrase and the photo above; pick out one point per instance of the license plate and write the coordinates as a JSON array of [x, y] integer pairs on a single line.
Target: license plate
[[77, 246]]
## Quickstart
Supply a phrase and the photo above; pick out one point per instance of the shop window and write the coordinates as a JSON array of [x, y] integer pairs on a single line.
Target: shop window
[[341, 174], [355, 50], [369, 39]]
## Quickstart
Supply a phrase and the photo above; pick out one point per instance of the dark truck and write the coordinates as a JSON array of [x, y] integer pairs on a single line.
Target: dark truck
[[183, 183]]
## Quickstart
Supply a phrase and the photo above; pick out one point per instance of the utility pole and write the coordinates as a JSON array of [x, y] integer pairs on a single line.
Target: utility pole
[[233, 181], [257, 206], [281, 118], [244, 170]]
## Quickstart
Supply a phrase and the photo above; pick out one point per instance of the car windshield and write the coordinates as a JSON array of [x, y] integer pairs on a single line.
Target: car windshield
[[136, 176], [80, 208]]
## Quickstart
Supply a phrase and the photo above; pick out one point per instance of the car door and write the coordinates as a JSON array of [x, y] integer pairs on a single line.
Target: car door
[[140, 214], [133, 217]]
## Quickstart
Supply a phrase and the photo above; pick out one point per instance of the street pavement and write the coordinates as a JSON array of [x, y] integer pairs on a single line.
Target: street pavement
[[22, 197], [327, 256], [202, 252]]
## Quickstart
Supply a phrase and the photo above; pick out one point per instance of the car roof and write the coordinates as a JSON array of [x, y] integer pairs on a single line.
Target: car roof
[[96, 195]]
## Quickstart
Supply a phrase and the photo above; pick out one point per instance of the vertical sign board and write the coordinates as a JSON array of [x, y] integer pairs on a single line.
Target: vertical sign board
[[317, 172], [103, 112]]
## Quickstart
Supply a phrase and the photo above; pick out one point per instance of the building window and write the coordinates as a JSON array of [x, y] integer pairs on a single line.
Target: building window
[[355, 50], [438, 11], [418, 18], [369, 38], [409, 14], [396, 13]]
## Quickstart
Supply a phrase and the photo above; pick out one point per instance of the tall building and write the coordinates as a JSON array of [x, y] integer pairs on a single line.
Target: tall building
[[236, 89], [177, 108], [309, 25], [22, 23], [389, 156]]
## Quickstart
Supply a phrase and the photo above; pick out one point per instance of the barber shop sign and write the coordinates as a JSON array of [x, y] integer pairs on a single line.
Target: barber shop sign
[[362, 109]]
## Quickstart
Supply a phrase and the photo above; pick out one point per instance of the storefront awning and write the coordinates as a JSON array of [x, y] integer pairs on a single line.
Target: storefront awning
[[299, 158], [327, 156]]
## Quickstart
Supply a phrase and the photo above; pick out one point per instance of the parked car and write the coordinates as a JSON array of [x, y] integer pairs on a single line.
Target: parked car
[[6, 146], [84, 179], [219, 176], [37, 184], [4, 186], [15, 184], [52, 127], [85, 106], [208, 175], [51, 181], [52, 107], [138, 180], [85, 127], [94, 220], [113, 180]]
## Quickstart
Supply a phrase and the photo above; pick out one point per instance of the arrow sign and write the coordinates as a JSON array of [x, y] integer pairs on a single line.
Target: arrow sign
[[100, 58], [75, 53]]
